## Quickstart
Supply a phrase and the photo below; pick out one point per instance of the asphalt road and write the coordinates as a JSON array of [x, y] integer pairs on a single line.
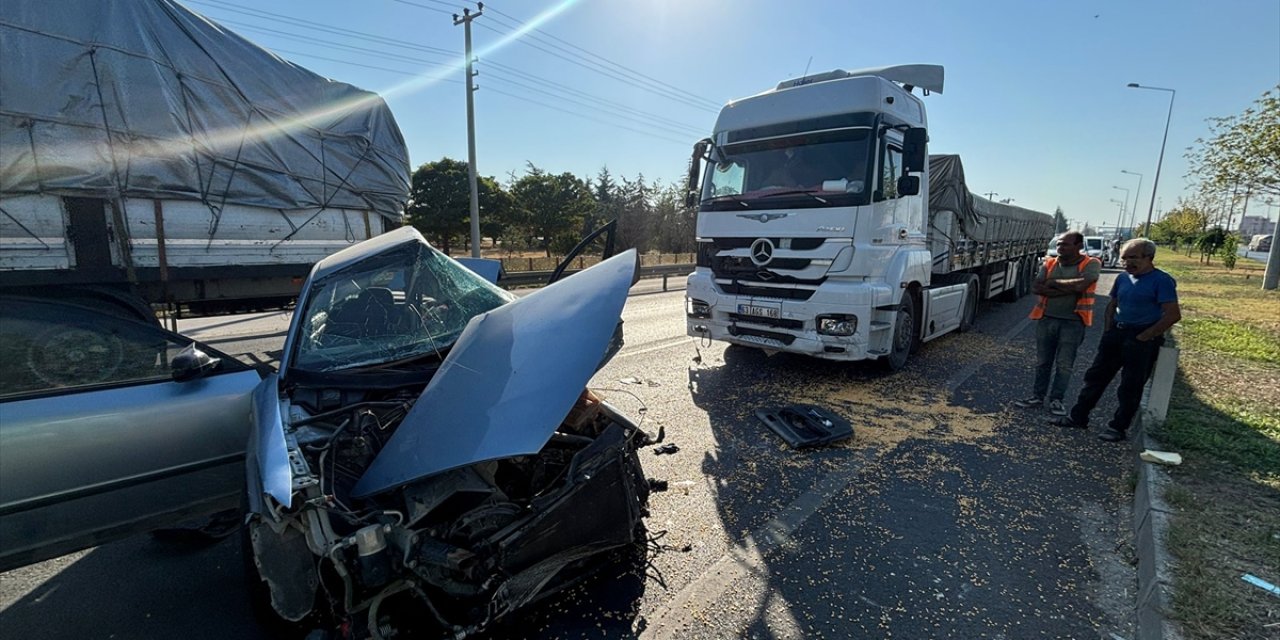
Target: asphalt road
[[949, 514]]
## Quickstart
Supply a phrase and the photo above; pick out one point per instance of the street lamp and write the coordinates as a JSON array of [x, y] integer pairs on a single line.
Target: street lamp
[[1136, 194], [1123, 205], [1155, 183]]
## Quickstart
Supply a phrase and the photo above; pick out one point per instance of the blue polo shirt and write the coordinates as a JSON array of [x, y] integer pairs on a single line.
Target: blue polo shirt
[[1138, 298]]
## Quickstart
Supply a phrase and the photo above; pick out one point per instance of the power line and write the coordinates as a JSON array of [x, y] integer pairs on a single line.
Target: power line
[[501, 71], [393, 57], [368, 37], [423, 6], [258, 13], [587, 116], [583, 104], [596, 68], [712, 103], [329, 43], [356, 64]]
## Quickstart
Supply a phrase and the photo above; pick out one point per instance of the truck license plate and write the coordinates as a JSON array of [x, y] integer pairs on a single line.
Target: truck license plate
[[754, 310]]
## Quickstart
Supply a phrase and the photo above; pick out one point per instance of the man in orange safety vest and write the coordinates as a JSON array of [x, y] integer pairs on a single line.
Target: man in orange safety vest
[[1063, 313]]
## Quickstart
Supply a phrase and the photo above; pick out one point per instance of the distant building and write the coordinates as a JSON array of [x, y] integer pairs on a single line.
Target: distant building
[[1254, 225]]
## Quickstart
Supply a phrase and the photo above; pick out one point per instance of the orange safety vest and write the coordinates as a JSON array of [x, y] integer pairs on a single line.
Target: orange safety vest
[[1084, 304]]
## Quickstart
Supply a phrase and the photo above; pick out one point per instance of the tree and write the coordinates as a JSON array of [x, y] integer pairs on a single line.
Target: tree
[[1211, 243], [608, 202], [673, 221], [1183, 224], [634, 217], [1243, 151], [440, 203], [1059, 220], [552, 207]]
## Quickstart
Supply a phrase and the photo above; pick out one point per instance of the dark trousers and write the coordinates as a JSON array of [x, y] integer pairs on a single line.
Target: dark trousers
[[1118, 351]]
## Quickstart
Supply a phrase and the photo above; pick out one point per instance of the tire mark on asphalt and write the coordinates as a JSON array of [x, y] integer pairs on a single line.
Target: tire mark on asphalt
[[696, 598]]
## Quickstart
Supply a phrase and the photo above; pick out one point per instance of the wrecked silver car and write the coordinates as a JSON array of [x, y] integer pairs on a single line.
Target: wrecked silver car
[[428, 460]]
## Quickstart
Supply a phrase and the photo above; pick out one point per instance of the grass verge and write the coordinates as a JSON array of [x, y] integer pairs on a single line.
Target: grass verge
[[1224, 417]]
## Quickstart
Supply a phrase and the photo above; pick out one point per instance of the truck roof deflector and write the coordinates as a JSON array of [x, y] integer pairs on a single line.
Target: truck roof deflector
[[926, 76]]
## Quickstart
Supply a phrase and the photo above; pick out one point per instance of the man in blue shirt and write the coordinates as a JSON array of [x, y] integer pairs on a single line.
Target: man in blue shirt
[[1144, 304]]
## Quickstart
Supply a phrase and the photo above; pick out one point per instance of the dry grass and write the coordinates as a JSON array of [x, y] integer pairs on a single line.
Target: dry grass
[[1225, 419]]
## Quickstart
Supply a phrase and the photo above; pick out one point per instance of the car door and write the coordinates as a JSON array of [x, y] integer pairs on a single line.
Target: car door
[[98, 440]]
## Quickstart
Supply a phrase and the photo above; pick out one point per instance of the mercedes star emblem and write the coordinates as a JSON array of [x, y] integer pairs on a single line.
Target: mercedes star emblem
[[762, 251]]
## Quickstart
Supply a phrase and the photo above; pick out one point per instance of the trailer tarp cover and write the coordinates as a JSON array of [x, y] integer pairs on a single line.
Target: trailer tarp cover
[[981, 219], [148, 99]]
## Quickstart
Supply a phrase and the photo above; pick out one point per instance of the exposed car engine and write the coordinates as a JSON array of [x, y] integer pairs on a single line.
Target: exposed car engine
[[446, 555]]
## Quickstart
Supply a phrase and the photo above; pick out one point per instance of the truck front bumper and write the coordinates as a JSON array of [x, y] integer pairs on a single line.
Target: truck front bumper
[[790, 325]]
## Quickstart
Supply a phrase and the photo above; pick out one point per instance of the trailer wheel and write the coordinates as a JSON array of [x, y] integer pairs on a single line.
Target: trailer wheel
[[1024, 280], [905, 336], [970, 307]]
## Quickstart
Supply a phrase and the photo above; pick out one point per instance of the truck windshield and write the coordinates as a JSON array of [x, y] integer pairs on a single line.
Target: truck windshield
[[790, 171]]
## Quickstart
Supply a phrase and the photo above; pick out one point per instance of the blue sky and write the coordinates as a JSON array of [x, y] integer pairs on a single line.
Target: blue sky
[[1035, 100]]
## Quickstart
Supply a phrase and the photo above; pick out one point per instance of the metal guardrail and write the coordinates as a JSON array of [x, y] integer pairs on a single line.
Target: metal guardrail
[[537, 278]]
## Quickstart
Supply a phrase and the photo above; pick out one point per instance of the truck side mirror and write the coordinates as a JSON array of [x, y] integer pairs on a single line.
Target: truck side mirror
[[695, 171], [915, 144], [908, 185]]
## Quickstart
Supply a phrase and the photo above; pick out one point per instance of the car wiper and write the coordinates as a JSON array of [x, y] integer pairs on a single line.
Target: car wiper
[[730, 196], [792, 192]]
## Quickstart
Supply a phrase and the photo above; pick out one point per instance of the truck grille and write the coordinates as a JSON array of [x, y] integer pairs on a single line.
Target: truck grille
[[781, 323], [739, 288]]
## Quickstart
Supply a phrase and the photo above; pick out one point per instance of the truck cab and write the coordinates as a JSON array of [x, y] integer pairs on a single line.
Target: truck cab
[[811, 221], [825, 228]]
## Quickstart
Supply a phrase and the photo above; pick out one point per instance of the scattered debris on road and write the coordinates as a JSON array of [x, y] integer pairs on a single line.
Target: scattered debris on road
[[670, 447], [805, 425], [1161, 457]]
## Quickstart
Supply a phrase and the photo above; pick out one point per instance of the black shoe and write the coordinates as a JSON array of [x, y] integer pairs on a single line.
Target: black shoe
[[1066, 421], [1111, 435]]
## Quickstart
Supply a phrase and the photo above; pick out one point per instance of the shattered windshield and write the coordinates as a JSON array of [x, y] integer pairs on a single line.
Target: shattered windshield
[[833, 165], [399, 305]]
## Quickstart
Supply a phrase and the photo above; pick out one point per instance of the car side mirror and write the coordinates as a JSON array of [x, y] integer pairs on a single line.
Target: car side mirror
[[908, 185], [192, 363]]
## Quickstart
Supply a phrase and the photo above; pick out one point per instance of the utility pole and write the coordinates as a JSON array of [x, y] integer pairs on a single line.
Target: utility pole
[[465, 21], [991, 195]]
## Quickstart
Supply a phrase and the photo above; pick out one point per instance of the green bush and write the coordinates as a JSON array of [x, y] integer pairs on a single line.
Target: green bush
[[1230, 245]]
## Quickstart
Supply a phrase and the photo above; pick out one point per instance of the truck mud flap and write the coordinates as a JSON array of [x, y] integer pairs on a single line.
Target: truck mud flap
[[803, 425]]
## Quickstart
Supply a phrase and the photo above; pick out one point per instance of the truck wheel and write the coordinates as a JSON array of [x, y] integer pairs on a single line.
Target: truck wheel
[[905, 335], [970, 307], [1028, 274]]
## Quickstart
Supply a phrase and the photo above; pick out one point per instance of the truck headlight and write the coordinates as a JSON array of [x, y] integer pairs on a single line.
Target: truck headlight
[[696, 308], [838, 324]]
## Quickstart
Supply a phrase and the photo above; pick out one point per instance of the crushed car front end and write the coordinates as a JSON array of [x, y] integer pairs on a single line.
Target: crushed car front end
[[429, 460]]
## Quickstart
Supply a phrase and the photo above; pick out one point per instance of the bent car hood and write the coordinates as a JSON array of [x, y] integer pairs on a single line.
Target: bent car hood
[[509, 380]]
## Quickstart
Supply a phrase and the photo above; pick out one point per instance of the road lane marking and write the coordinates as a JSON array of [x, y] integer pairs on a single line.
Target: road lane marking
[[655, 346]]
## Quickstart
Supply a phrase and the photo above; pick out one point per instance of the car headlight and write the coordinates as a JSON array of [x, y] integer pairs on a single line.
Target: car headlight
[[696, 308], [838, 324]]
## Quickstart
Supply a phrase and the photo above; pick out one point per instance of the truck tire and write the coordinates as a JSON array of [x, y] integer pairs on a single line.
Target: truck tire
[[1024, 280], [905, 337]]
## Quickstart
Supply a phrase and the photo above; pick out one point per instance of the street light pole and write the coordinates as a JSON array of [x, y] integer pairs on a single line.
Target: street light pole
[[1136, 194], [1123, 205], [1155, 183]]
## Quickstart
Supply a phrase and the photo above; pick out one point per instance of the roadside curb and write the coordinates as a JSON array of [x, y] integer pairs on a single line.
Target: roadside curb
[[1151, 514]]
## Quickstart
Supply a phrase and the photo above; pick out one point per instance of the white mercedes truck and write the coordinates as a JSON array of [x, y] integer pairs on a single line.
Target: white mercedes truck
[[825, 227]]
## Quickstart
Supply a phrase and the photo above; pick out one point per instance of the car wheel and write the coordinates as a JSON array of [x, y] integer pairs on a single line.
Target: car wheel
[[905, 337]]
